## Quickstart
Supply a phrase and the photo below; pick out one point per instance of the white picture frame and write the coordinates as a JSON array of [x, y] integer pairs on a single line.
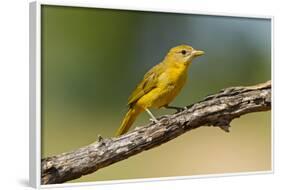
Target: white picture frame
[[35, 91]]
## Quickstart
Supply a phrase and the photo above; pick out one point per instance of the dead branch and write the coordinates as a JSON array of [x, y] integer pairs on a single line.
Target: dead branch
[[215, 110]]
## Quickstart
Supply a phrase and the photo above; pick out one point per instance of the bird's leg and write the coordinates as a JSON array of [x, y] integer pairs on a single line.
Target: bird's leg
[[151, 115], [179, 109]]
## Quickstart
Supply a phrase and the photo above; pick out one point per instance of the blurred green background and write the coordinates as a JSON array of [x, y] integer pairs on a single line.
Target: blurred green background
[[93, 58]]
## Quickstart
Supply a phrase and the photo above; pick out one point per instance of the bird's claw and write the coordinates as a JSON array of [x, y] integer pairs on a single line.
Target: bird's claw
[[100, 138], [155, 121], [180, 109]]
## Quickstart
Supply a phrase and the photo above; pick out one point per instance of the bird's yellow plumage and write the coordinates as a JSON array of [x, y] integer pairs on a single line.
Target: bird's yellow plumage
[[160, 85]]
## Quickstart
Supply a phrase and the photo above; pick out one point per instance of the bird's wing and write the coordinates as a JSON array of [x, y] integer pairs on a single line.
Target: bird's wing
[[148, 83]]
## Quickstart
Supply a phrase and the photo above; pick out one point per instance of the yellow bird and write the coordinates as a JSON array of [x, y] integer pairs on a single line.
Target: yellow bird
[[160, 85]]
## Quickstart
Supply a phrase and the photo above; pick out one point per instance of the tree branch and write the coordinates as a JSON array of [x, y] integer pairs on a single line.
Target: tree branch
[[215, 110]]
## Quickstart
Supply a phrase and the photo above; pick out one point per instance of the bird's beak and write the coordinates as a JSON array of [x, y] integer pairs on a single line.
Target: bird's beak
[[198, 52]]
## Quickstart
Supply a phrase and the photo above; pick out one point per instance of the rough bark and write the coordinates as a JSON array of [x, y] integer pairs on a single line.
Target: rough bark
[[215, 110]]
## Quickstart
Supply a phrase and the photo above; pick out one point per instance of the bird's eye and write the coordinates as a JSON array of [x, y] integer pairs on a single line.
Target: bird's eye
[[183, 52]]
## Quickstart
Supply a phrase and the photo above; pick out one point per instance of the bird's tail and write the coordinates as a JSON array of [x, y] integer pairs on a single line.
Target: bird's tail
[[128, 120]]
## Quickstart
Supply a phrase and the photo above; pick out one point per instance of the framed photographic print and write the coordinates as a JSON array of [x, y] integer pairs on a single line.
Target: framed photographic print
[[109, 85]]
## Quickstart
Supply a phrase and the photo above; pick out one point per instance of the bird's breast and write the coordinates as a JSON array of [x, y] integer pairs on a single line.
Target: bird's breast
[[169, 85], [173, 78]]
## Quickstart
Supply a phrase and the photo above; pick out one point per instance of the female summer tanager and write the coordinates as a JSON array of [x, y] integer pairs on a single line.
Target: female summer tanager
[[160, 85]]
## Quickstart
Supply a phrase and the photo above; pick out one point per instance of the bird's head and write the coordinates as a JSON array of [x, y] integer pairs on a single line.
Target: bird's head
[[182, 54]]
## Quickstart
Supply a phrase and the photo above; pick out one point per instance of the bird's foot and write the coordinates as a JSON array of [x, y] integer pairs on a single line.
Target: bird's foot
[[163, 117], [178, 109], [101, 140], [153, 120]]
